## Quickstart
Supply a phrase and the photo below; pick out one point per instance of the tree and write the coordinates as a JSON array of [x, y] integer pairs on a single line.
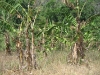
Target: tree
[[24, 19], [70, 20], [6, 27], [78, 50]]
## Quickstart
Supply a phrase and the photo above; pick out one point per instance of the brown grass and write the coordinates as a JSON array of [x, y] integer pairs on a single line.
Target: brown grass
[[54, 64]]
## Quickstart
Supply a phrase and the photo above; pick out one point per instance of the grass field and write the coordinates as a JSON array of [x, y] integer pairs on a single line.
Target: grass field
[[54, 64]]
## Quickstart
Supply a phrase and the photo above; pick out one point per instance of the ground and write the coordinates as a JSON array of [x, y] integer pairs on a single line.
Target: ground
[[54, 64]]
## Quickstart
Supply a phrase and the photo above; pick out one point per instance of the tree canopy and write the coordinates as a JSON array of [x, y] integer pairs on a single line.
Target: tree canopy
[[54, 18]]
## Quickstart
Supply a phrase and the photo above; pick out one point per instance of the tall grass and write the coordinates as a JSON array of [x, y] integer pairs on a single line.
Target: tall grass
[[54, 64]]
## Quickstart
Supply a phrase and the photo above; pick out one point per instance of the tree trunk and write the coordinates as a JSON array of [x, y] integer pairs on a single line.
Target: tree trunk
[[43, 44], [28, 56], [7, 41], [78, 50], [34, 63], [20, 52]]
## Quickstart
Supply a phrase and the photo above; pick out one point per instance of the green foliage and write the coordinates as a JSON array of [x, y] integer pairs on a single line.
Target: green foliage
[[2, 44], [92, 30], [54, 19]]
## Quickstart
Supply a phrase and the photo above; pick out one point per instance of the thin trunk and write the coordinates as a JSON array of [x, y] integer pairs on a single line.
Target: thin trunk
[[7, 41], [61, 45], [20, 52], [19, 49], [43, 44], [28, 56], [34, 63]]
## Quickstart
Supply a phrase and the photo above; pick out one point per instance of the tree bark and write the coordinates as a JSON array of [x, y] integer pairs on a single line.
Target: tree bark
[[78, 52], [28, 56], [20, 52], [7, 41]]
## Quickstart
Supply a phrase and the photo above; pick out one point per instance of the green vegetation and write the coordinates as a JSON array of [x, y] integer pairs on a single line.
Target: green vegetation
[[46, 26], [53, 18]]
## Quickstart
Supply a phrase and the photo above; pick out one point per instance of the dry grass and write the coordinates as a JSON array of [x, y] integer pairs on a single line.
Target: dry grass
[[54, 64]]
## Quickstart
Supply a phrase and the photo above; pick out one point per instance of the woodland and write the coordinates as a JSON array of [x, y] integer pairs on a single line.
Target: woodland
[[49, 37]]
